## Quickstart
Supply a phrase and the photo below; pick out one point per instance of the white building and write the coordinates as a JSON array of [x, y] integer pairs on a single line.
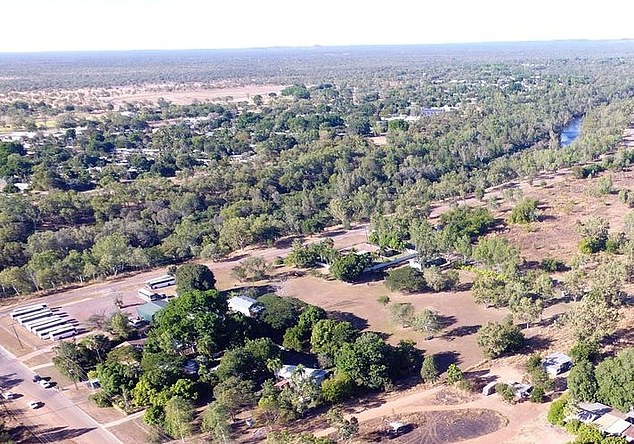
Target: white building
[[557, 363], [316, 374], [245, 305]]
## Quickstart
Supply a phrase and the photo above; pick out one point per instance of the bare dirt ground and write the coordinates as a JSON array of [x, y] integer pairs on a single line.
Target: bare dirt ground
[[191, 94]]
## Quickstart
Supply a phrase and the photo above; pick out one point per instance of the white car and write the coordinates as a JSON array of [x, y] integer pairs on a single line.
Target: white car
[[35, 404], [44, 383], [9, 395]]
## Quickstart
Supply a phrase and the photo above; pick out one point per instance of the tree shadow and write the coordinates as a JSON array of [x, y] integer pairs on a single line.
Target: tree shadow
[[446, 321], [445, 359], [461, 331], [537, 343], [52, 434], [287, 242], [233, 258], [9, 381], [253, 291], [333, 233], [463, 286], [344, 316]]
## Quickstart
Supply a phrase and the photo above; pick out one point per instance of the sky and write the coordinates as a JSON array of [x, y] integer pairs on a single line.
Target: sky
[[78, 25]]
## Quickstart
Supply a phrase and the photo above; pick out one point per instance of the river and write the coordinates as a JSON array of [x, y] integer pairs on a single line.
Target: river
[[570, 132]]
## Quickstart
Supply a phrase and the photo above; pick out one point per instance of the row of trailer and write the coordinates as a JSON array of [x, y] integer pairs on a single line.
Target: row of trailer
[[40, 320]]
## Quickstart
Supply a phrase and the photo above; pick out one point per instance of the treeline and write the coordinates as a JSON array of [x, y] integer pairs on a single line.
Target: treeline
[[304, 162]]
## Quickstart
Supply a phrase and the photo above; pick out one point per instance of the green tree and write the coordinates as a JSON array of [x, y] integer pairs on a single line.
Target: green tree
[[454, 374], [337, 388], [249, 362], [427, 322], [496, 338], [615, 380], [328, 336], [429, 371], [389, 232], [525, 211], [251, 269], [557, 411], [215, 422], [366, 360], [427, 240], [439, 281], [582, 382], [592, 319], [112, 253], [119, 325], [594, 234], [179, 414], [402, 313], [349, 267], [194, 277], [526, 309], [405, 279], [234, 394], [347, 429], [498, 254], [196, 320]]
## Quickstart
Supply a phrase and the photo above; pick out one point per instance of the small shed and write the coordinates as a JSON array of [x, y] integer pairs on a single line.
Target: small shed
[[148, 310], [557, 363], [489, 389], [245, 305], [520, 390]]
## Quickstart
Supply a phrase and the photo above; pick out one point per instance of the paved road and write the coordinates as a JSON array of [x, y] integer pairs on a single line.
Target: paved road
[[58, 419]]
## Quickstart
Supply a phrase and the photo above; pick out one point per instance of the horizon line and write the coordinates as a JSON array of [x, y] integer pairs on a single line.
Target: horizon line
[[317, 46]]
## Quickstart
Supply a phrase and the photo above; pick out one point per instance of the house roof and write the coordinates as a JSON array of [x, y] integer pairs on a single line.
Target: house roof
[[606, 421], [618, 427], [286, 372], [629, 432], [594, 407], [557, 359], [243, 302], [148, 310]]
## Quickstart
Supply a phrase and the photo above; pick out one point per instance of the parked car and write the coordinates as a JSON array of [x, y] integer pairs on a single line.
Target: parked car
[[35, 404], [44, 383], [36, 378], [9, 395]]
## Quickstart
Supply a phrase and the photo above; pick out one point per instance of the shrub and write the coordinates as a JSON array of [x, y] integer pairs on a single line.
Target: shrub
[[496, 338], [438, 281], [537, 395], [466, 385], [552, 265], [383, 299], [524, 212], [405, 279], [454, 374], [338, 388], [101, 399], [557, 411], [505, 391], [429, 370]]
